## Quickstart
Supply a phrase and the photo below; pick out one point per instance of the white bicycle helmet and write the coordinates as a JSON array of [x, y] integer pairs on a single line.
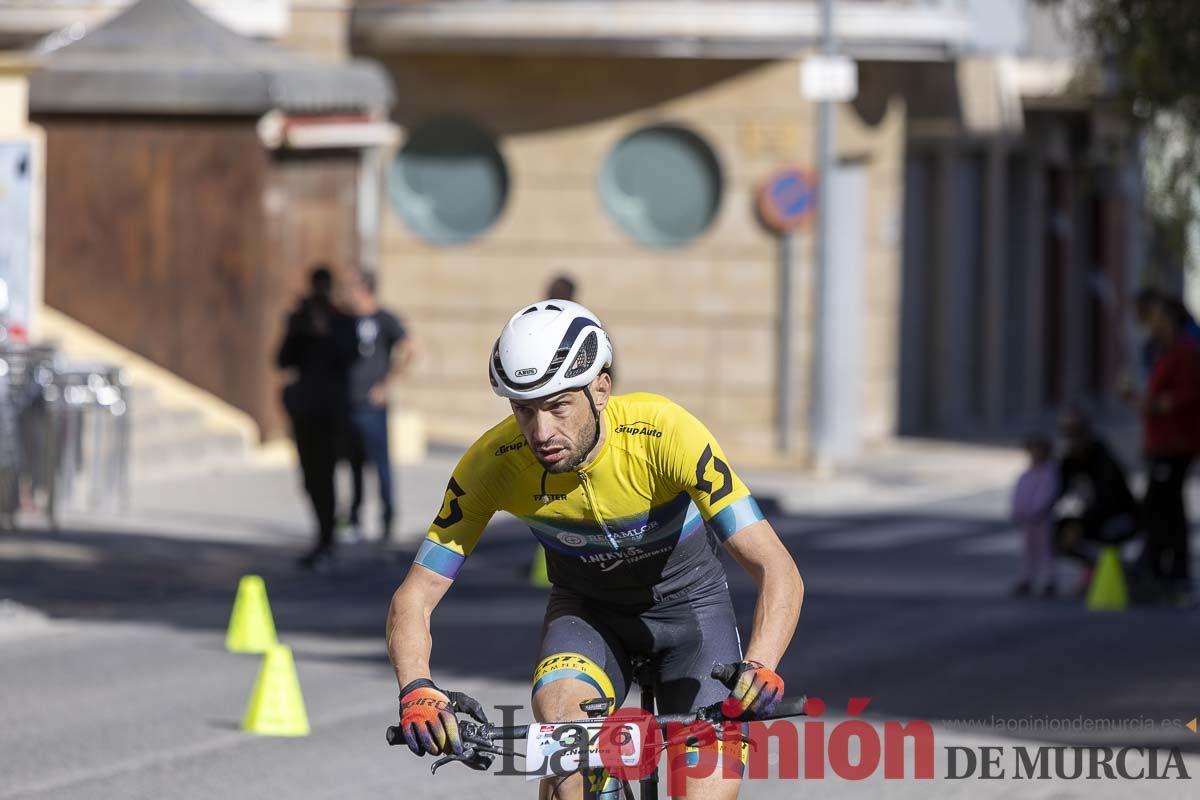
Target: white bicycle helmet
[[547, 348]]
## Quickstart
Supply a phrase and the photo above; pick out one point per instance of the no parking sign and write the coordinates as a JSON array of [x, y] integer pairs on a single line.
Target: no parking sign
[[787, 199]]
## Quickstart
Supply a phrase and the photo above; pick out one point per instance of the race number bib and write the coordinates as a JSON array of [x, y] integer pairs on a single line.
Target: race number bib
[[554, 749]]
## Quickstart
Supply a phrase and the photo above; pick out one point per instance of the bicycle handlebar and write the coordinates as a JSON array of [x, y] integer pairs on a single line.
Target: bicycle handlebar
[[481, 735], [789, 707]]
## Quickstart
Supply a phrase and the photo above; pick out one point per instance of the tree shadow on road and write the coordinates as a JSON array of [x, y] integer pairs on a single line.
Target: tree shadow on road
[[922, 626]]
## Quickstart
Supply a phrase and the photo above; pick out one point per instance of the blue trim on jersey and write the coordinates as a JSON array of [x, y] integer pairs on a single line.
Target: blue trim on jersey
[[735, 516], [440, 559], [692, 522], [568, 672]]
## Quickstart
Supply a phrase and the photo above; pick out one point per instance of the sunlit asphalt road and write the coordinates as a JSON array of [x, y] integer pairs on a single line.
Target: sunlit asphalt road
[[124, 689]]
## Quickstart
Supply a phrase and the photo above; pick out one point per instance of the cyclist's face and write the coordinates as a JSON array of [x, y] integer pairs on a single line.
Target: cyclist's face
[[561, 428]]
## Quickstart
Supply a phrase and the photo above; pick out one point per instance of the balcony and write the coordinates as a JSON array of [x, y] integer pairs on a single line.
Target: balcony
[[867, 29]]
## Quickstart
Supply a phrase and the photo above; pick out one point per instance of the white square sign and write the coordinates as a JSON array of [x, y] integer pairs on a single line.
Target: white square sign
[[831, 78]]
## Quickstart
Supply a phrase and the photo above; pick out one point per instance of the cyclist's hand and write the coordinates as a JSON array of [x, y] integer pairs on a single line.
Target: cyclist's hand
[[756, 692], [427, 720]]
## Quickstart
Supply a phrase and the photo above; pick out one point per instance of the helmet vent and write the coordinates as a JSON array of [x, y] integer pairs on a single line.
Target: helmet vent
[[497, 365], [553, 308], [529, 310], [585, 357]]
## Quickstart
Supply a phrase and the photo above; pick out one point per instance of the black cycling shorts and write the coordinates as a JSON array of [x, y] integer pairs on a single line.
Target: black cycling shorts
[[682, 636]]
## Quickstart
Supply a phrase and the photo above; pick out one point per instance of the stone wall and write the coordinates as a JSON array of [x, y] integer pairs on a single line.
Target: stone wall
[[318, 28], [697, 323]]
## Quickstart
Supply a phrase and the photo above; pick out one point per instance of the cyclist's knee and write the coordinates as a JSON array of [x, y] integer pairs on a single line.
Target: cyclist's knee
[[564, 680], [561, 701]]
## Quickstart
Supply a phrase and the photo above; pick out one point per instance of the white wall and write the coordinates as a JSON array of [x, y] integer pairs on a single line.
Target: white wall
[[15, 129]]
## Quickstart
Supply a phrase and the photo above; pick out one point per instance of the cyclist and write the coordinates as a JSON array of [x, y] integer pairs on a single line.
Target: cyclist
[[631, 497]]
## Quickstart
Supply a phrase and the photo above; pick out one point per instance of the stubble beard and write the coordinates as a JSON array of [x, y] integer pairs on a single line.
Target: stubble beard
[[572, 462]]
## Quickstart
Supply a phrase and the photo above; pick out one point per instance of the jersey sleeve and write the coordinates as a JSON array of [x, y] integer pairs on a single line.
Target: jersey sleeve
[[467, 506], [693, 459]]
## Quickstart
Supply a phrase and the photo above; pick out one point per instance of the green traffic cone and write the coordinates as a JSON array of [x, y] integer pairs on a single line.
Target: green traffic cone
[[1107, 591]]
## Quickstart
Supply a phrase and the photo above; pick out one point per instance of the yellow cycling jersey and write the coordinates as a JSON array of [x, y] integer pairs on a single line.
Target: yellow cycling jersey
[[630, 526]]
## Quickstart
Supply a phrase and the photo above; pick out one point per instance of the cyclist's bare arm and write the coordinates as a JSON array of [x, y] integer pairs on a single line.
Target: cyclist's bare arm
[[408, 639], [780, 590]]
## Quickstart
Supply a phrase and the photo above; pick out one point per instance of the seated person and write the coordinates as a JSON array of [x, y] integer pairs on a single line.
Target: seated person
[[1104, 511]]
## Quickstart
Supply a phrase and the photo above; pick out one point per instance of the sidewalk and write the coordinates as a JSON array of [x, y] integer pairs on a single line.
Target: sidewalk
[[264, 501], [898, 475]]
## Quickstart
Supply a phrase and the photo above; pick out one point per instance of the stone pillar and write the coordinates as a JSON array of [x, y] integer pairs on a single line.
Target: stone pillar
[[949, 361], [1077, 294], [995, 261], [1037, 229]]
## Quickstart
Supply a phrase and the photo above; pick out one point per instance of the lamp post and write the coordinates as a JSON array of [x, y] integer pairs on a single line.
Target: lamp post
[[818, 401]]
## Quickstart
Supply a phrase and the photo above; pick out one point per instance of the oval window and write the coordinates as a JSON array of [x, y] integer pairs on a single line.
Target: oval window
[[662, 185], [449, 181]]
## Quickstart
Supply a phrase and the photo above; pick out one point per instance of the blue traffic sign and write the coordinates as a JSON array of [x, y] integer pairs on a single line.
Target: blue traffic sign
[[787, 199]]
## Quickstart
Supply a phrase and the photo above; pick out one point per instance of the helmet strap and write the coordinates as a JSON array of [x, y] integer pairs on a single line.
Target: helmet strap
[[587, 392]]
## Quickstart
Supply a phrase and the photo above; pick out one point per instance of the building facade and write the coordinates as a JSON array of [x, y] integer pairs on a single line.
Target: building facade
[[983, 204]]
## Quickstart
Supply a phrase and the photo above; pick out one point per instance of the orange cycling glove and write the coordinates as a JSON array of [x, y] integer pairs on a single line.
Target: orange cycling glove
[[427, 720], [756, 692]]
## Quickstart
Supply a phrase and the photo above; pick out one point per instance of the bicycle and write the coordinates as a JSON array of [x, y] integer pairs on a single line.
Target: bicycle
[[480, 737]]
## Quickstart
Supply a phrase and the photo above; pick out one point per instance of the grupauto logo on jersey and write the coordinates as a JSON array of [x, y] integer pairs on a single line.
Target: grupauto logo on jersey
[[639, 428], [516, 443], [572, 539]]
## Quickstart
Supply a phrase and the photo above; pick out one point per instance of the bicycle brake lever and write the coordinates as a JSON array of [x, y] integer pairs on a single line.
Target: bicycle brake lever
[[441, 762], [471, 757]]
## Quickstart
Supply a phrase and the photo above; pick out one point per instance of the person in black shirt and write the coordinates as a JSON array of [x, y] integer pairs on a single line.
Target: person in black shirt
[[383, 352], [318, 346], [1088, 472]]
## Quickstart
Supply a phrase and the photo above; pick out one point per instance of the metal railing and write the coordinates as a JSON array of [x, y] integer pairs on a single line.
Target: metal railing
[[64, 434]]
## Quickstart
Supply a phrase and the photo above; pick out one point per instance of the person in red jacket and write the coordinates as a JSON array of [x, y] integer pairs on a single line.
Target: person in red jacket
[[1170, 410]]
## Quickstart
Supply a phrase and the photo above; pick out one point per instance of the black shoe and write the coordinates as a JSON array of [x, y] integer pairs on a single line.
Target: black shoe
[[319, 559]]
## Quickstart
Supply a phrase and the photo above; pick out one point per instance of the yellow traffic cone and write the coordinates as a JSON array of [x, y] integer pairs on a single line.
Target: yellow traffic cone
[[537, 573], [251, 628], [1107, 591], [276, 705]]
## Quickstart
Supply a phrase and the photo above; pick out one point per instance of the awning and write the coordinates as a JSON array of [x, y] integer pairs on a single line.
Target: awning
[[168, 57]]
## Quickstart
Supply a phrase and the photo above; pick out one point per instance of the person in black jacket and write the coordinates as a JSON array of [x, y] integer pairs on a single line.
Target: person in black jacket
[[319, 346], [1089, 473]]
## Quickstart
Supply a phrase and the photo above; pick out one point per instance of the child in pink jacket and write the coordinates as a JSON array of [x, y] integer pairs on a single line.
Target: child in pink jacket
[[1033, 502]]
